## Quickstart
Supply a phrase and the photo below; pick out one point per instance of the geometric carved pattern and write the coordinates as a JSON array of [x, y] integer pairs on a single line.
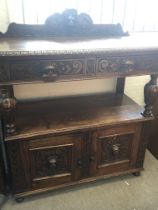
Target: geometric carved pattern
[[52, 161], [108, 145]]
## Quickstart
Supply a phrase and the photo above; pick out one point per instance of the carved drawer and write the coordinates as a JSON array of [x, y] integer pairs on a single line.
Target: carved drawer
[[50, 70], [127, 65], [115, 149], [46, 70]]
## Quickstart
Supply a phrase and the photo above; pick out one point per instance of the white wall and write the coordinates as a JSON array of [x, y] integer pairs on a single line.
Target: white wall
[[4, 18], [134, 88], [59, 89]]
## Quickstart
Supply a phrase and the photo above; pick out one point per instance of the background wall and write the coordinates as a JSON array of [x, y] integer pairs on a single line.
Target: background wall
[[133, 15], [134, 88]]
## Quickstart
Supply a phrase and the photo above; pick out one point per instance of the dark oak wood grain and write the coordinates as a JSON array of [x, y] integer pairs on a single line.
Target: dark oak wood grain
[[80, 137], [66, 141], [64, 115]]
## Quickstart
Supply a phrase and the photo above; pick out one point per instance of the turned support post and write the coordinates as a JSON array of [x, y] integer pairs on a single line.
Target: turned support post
[[150, 94], [7, 108]]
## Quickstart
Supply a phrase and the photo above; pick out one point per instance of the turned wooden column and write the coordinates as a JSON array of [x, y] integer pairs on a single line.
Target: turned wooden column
[[7, 108], [150, 94]]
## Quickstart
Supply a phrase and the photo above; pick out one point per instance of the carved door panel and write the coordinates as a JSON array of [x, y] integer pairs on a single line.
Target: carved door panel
[[54, 160], [114, 150]]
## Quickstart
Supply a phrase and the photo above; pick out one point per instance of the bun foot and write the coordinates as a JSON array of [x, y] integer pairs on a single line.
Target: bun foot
[[19, 200], [137, 173]]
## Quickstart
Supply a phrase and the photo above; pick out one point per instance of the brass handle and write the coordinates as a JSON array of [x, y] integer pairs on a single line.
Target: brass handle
[[116, 149], [52, 162], [50, 74], [128, 65]]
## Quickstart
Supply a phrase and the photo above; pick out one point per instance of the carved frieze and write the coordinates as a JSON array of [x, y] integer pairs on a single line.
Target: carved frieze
[[42, 69], [115, 65], [127, 64], [69, 68]]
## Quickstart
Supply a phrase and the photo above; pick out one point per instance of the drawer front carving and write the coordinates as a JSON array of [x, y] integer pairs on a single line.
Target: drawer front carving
[[46, 70], [127, 65], [115, 65], [77, 68]]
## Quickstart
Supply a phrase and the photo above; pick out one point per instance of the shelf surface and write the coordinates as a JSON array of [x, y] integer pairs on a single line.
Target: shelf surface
[[65, 115], [26, 47]]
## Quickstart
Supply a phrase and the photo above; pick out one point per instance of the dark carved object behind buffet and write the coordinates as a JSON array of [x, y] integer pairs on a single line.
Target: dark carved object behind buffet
[[68, 24]]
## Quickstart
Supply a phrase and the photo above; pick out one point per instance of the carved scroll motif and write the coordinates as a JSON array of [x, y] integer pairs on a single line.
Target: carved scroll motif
[[67, 24]]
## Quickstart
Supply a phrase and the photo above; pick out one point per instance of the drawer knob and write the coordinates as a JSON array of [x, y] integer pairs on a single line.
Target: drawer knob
[[50, 75], [116, 149], [128, 65], [52, 162]]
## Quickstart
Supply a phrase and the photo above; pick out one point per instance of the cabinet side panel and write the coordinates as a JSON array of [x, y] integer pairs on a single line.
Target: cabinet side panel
[[19, 176], [143, 144]]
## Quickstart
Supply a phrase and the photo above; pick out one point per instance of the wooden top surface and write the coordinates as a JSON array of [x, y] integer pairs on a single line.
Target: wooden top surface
[[74, 114], [24, 47]]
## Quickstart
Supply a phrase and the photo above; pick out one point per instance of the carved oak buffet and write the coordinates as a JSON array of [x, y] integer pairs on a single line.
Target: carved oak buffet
[[62, 142]]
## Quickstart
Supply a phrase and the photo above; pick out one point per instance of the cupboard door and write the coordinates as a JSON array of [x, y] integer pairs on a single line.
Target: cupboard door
[[44, 162], [54, 160], [114, 150]]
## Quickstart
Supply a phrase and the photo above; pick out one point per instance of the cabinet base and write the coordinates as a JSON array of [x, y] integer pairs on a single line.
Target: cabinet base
[[19, 197]]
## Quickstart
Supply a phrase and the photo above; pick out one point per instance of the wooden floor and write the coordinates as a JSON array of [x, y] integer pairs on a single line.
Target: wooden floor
[[120, 193]]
